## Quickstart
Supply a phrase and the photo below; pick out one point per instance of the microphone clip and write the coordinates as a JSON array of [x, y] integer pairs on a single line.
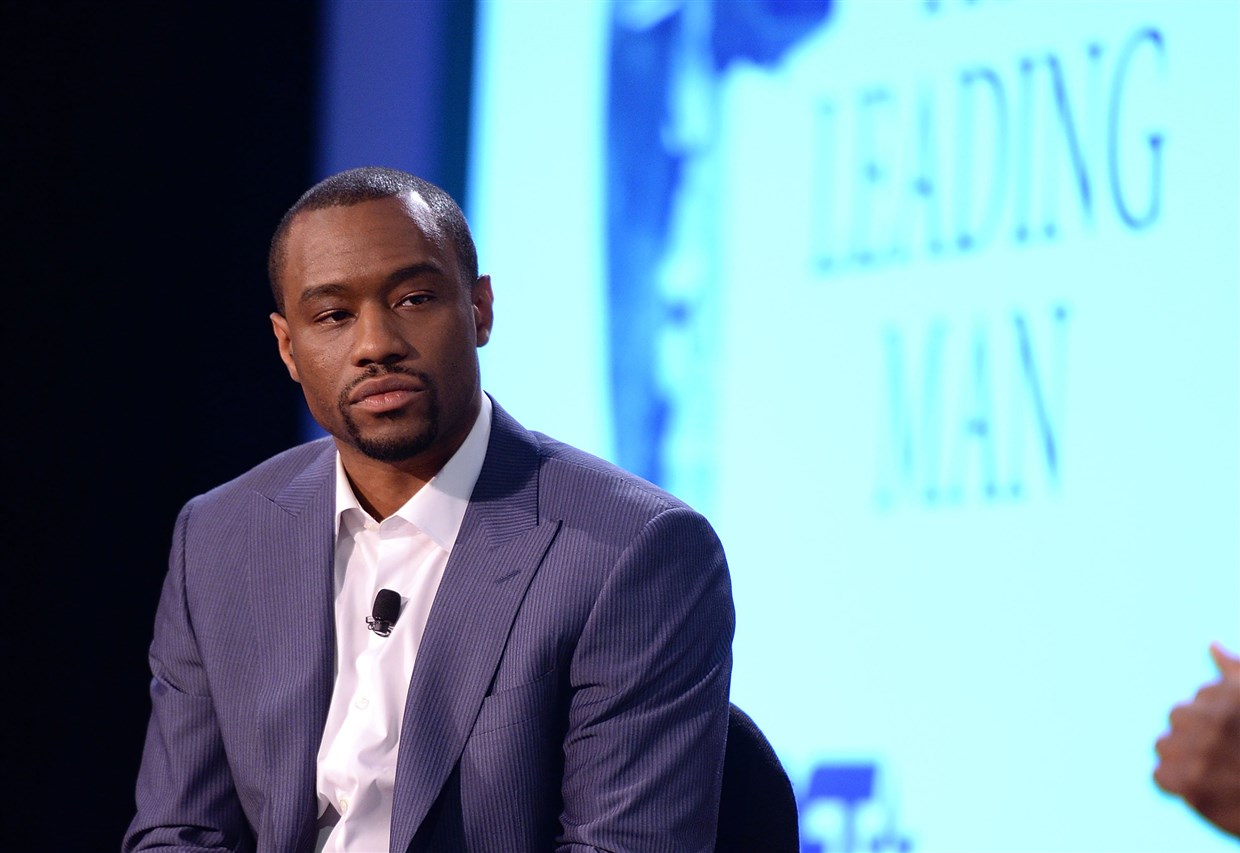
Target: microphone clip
[[384, 613]]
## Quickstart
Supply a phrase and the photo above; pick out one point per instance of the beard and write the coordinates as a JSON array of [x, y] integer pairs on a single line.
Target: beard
[[396, 448]]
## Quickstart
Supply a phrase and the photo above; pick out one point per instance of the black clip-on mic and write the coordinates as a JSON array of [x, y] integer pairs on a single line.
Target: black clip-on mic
[[384, 612]]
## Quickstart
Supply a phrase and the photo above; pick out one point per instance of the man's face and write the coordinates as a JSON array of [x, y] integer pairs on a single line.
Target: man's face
[[381, 330]]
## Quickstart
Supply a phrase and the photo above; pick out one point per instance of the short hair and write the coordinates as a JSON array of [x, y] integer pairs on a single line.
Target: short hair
[[369, 183]]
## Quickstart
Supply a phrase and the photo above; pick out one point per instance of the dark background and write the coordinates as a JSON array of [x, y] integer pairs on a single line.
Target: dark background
[[151, 148]]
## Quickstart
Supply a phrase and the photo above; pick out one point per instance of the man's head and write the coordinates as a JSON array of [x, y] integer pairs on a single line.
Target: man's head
[[368, 183], [380, 312]]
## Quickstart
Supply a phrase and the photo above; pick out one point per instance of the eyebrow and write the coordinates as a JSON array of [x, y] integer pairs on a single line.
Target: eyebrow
[[395, 277], [415, 270], [312, 293]]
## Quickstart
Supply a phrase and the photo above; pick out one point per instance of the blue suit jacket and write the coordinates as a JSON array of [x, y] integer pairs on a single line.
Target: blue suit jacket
[[570, 693]]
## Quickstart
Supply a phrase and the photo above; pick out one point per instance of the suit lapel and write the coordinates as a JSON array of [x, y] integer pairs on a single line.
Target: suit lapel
[[292, 590], [500, 547]]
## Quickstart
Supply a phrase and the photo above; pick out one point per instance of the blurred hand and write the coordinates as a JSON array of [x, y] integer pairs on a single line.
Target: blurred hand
[[1199, 756]]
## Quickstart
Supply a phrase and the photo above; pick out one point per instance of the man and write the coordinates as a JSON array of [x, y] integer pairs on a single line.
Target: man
[[556, 674], [1199, 755]]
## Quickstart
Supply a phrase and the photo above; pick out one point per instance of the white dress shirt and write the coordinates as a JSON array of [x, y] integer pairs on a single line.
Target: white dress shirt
[[405, 552]]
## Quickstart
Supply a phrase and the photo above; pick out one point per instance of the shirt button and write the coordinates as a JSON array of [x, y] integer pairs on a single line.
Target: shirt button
[[362, 703], [344, 806]]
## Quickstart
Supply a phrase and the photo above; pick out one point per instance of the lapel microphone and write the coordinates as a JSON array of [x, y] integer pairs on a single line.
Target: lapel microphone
[[384, 613]]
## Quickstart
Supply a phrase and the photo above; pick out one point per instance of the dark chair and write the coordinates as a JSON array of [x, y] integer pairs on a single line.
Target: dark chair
[[757, 808]]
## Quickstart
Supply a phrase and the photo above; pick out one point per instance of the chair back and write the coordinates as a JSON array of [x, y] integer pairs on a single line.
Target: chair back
[[757, 806]]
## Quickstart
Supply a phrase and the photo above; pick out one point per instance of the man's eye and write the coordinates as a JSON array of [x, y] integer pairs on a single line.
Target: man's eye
[[415, 299], [331, 318]]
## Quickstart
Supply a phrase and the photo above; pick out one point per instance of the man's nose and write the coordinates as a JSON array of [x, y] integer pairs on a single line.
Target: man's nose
[[379, 336]]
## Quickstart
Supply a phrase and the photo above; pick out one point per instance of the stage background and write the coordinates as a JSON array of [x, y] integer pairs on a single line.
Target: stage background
[[150, 149], [932, 308]]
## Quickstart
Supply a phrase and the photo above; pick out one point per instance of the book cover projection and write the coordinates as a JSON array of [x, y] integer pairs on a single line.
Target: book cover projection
[[931, 306]]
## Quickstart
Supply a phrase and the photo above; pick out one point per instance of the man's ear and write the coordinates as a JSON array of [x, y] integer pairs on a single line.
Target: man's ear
[[482, 299], [279, 325]]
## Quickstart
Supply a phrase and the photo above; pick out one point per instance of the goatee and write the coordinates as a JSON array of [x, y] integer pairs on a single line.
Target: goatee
[[401, 447]]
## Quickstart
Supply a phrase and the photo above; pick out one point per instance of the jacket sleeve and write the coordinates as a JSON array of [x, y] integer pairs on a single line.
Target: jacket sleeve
[[650, 678], [185, 796]]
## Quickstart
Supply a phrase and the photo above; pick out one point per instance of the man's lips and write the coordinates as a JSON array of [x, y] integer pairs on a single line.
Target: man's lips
[[385, 392]]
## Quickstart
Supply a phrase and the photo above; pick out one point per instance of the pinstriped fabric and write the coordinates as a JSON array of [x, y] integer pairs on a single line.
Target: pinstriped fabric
[[604, 718], [242, 580], [291, 591], [570, 694], [455, 665]]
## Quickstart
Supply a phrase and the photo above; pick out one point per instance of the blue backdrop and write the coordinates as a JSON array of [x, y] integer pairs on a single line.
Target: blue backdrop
[[932, 307]]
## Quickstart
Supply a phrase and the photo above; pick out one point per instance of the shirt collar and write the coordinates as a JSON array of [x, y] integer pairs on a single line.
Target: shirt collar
[[437, 508]]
